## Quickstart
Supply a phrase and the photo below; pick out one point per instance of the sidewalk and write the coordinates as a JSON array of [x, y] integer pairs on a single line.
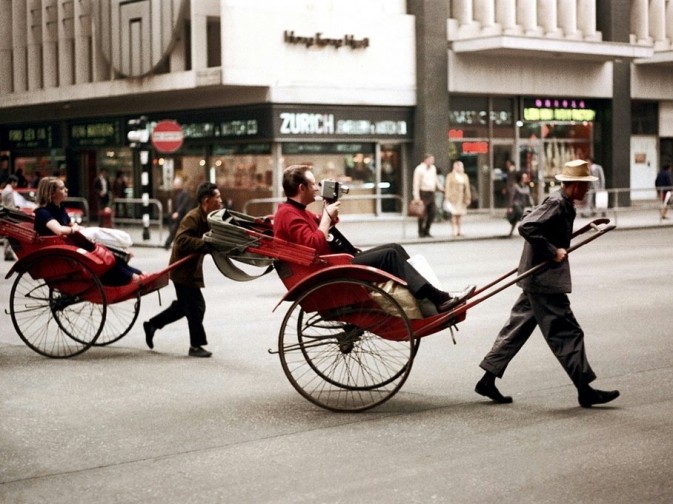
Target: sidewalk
[[476, 226]]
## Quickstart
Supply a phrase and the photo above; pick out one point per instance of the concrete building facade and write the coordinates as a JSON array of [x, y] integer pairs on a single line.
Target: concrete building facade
[[360, 90]]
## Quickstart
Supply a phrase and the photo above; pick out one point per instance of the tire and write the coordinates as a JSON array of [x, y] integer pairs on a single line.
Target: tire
[[119, 320], [58, 307], [340, 350]]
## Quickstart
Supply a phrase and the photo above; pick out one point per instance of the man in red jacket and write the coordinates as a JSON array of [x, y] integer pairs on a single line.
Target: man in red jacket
[[295, 223]]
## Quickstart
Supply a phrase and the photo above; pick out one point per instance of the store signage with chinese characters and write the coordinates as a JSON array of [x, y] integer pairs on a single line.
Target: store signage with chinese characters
[[32, 137], [318, 40], [95, 134], [479, 147], [558, 109], [302, 123]]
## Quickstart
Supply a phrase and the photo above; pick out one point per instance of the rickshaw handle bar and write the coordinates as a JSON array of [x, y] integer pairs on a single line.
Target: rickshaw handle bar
[[592, 225]]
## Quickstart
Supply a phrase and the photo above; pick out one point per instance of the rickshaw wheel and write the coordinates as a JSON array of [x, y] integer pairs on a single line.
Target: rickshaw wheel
[[334, 357], [62, 316], [119, 320]]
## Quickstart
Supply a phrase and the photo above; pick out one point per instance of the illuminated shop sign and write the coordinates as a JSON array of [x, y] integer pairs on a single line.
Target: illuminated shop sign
[[94, 134], [480, 117], [318, 40], [558, 109], [31, 137], [479, 147], [301, 123]]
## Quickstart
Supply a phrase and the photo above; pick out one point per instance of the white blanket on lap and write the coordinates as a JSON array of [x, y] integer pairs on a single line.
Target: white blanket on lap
[[109, 237]]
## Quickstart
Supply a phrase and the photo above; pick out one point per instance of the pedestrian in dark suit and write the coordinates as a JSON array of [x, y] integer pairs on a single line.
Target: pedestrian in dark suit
[[188, 277], [544, 301], [181, 204]]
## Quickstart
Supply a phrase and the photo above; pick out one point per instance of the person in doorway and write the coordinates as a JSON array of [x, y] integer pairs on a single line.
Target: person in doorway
[[458, 193], [102, 187], [424, 185], [8, 202], [663, 184], [293, 222], [181, 203], [544, 302], [519, 200], [188, 277], [119, 186]]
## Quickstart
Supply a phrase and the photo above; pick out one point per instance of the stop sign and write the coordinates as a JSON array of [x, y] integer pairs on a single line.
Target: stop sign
[[167, 136]]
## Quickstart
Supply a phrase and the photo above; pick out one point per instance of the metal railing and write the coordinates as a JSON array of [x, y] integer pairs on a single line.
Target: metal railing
[[395, 216], [132, 207]]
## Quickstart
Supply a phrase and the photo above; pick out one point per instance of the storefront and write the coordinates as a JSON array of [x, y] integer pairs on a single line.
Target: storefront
[[244, 151], [535, 135]]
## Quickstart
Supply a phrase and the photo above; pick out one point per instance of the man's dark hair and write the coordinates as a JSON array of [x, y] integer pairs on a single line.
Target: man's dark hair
[[204, 190], [12, 178], [293, 177]]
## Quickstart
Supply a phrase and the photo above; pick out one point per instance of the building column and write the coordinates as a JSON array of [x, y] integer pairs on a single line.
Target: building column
[[586, 19], [83, 42], [548, 18], [19, 25], [639, 21], [65, 43], [484, 13], [613, 150], [657, 21], [33, 45], [50, 43], [431, 119], [568, 19], [6, 47], [505, 15], [669, 22], [526, 15]]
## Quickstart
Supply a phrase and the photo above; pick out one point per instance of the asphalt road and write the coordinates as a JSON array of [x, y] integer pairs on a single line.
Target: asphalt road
[[125, 424]]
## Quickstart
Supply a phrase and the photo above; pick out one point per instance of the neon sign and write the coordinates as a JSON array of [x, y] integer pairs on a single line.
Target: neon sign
[[555, 109]]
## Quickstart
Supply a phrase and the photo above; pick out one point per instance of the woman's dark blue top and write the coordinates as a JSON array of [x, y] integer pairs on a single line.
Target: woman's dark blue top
[[47, 213]]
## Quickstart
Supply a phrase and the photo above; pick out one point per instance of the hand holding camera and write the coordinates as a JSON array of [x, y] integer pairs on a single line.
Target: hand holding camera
[[331, 190]]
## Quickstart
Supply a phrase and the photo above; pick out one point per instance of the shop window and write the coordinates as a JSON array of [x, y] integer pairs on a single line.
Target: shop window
[[644, 118], [214, 42]]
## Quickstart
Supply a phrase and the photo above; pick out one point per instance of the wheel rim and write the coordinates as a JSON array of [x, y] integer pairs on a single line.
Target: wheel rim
[[119, 320], [62, 315], [336, 358]]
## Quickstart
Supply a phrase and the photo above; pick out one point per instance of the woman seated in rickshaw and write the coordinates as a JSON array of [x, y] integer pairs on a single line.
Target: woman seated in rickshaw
[[51, 219], [293, 222]]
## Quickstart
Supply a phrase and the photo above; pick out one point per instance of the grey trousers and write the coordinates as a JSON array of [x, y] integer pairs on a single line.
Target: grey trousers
[[559, 327]]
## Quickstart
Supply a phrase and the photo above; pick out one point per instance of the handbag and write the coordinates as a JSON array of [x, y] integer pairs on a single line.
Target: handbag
[[416, 208], [447, 207]]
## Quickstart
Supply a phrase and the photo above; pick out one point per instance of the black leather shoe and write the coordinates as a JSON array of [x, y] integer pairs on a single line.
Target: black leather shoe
[[458, 299], [589, 396], [199, 352], [492, 392], [149, 334]]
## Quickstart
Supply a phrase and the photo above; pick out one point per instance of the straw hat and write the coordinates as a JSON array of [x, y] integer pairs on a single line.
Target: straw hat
[[576, 171]]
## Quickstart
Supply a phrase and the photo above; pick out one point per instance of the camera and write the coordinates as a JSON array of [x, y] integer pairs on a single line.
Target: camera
[[331, 190]]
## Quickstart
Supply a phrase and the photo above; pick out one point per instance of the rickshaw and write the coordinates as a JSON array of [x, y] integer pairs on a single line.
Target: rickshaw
[[348, 340], [58, 303]]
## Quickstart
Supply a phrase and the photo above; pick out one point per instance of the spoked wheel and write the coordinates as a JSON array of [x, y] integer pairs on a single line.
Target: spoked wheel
[[346, 357], [57, 305], [119, 320]]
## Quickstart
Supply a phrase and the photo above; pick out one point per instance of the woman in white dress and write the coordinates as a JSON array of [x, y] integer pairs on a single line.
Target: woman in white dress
[[457, 194]]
